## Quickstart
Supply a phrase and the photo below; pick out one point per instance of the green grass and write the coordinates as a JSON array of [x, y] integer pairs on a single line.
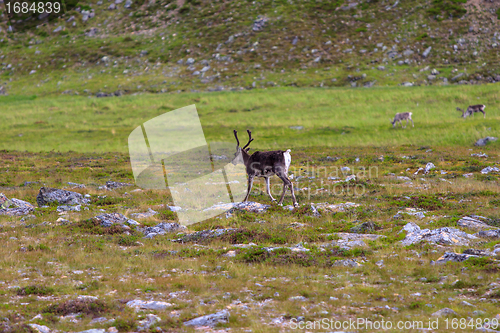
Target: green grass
[[330, 117]]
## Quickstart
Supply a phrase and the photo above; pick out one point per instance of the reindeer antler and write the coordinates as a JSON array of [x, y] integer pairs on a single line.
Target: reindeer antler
[[236, 136], [249, 138]]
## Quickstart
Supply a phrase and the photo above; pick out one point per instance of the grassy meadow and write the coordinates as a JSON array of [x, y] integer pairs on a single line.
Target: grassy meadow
[[329, 117], [52, 261]]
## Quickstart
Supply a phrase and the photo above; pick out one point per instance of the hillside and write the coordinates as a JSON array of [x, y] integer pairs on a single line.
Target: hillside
[[164, 46]]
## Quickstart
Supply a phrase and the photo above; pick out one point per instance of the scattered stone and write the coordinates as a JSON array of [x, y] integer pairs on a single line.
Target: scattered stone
[[148, 305], [336, 208], [145, 215], [427, 52], [259, 23], [47, 195], [443, 236], [149, 321], [484, 141], [298, 298], [59, 28], [351, 240], [210, 320], [473, 223], [76, 208], [347, 263], [20, 207], [489, 169], [204, 234], [110, 185], [488, 234], [444, 313], [363, 228], [93, 330], [161, 229], [76, 185], [451, 256], [298, 128], [190, 61], [479, 155], [40, 328], [107, 220], [128, 4]]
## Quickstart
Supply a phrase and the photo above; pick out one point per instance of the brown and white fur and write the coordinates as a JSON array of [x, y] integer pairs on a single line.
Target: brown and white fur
[[265, 164], [473, 109], [402, 116]]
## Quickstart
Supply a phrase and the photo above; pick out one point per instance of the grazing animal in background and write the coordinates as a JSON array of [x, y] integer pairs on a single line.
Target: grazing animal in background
[[473, 109], [400, 117], [264, 164]]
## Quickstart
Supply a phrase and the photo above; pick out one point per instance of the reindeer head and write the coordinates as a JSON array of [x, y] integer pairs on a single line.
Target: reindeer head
[[241, 153]]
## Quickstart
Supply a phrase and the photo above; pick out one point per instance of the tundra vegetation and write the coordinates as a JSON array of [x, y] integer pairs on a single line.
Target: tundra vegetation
[[266, 269], [321, 78]]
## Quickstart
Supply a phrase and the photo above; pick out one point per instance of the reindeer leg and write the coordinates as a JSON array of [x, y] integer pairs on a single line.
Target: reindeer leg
[[250, 184], [412, 125], [286, 183], [268, 190]]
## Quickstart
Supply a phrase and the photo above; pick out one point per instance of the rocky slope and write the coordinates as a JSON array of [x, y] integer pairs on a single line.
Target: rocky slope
[[162, 46]]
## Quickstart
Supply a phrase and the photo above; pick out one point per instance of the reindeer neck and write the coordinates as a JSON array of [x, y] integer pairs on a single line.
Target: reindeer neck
[[246, 156]]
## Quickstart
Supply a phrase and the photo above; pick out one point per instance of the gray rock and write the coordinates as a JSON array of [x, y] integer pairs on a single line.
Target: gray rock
[[347, 263], [112, 6], [91, 32], [472, 223], [408, 53], [451, 256], [20, 207], [363, 228], [489, 169], [161, 229], [128, 4], [427, 52], [457, 77], [148, 305], [149, 321], [85, 15], [295, 40], [204, 234], [444, 313], [381, 68], [488, 234], [47, 195], [110, 185], [259, 23], [93, 330], [190, 61], [431, 77], [298, 128], [40, 328], [484, 141], [107, 220], [76, 208], [210, 320], [59, 28], [443, 236], [147, 214]]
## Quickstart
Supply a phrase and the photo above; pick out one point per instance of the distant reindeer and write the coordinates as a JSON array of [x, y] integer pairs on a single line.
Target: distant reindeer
[[402, 116], [473, 109], [264, 164]]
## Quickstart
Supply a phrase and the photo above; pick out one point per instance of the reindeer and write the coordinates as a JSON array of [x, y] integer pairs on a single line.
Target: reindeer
[[402, 116], [264, 164], [473, 109]]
